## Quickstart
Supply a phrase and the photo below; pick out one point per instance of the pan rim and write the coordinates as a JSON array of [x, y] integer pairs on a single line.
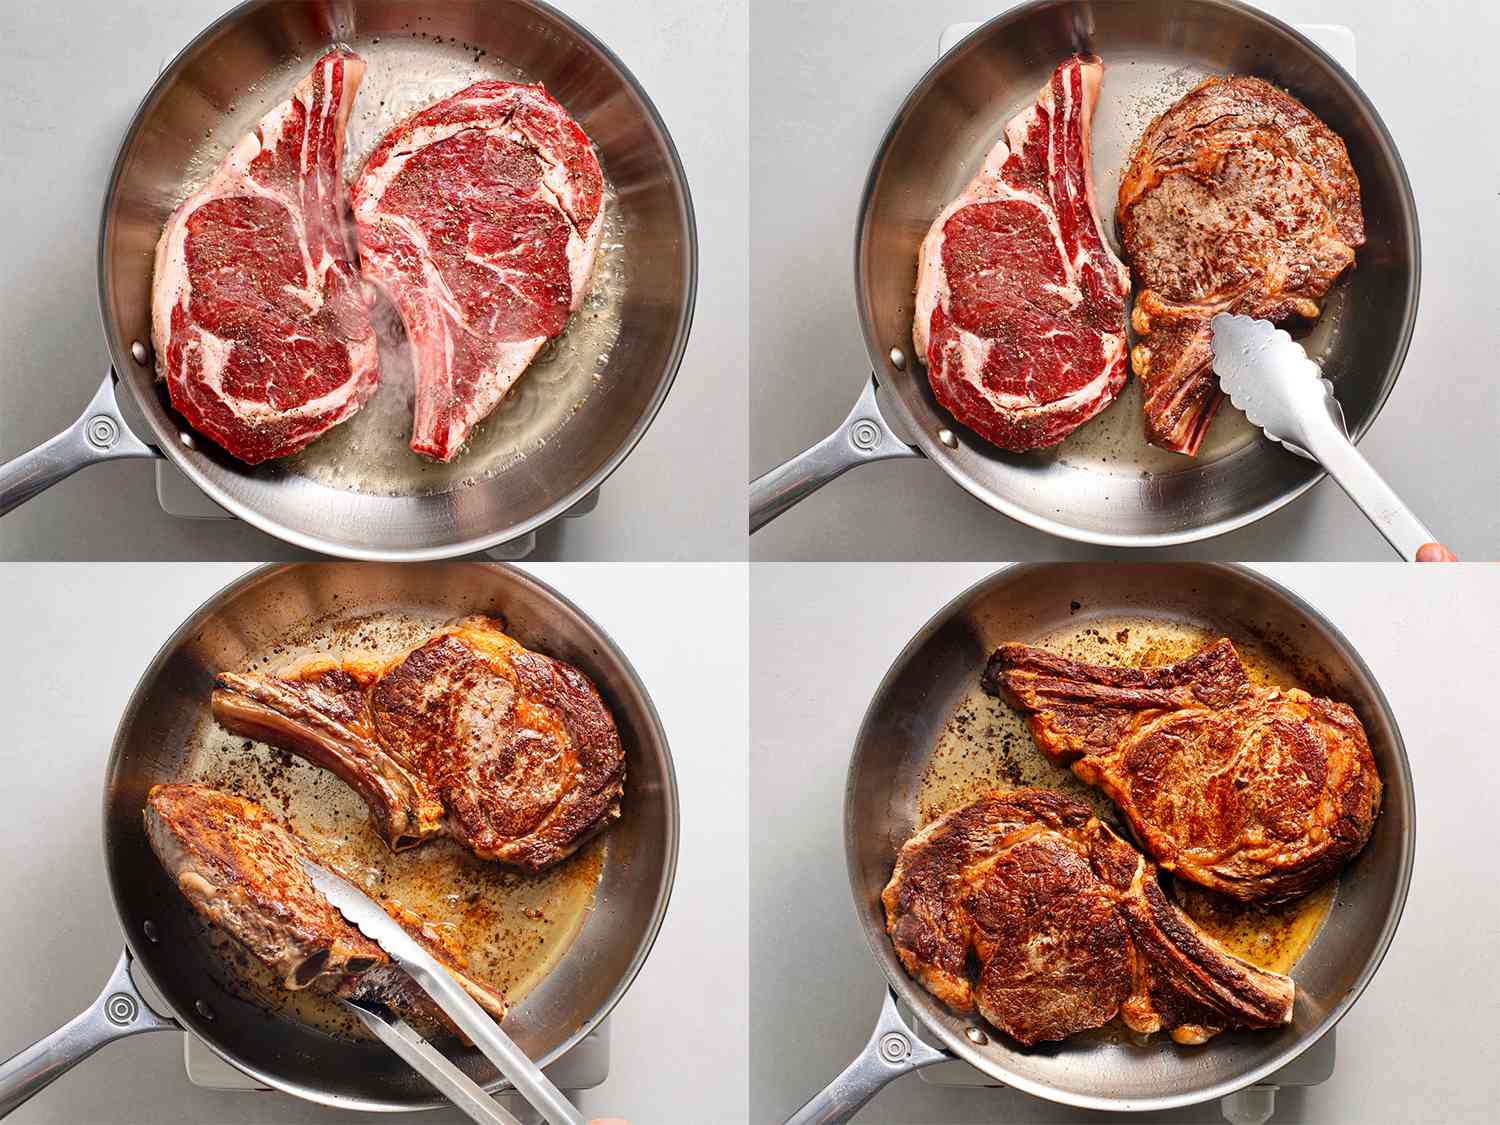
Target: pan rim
[[167, 443], [917, 999], [933, 449], [190, 1020]]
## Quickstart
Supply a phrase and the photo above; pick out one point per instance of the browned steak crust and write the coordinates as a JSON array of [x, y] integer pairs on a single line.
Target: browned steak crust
[[1237, 199], [1258, 793], [1068, 926], [468, 734]]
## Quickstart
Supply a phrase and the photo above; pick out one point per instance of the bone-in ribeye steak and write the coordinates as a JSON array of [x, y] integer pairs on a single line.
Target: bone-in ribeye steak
[[257, 316], [1260, 793], [480, 218], [1020, 303], [469, 734], [1068, 925], [238, 867], [1238, 200]]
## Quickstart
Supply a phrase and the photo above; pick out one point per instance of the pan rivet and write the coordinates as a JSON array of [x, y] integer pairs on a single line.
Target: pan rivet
[[121, 1009], [102, 431], [138, 350], [976, 1036], [865, 434], [898, 359], [150, 928], [204, 1010], [894, 1047], [187, 440], [947, 438]]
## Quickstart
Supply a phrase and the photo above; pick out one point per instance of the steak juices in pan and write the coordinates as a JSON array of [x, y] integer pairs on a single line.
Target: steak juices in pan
[[1260, 794], [468, 735], [1104, 846], [364, 718]]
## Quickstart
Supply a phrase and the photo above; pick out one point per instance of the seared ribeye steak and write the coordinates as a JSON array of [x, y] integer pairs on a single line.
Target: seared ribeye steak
[[1258, 793], [469, 734], [238, 867], [480, 217], [257, 315], [1238, 199], [1020, 303], [1069, 927]]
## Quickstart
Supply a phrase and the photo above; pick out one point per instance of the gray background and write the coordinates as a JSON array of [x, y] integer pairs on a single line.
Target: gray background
[[1419, 1046], [80, 636], [826, 78], [681, 494]]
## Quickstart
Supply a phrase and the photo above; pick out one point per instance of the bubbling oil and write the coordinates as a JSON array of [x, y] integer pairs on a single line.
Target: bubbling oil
[[987, 745], [513, 928]]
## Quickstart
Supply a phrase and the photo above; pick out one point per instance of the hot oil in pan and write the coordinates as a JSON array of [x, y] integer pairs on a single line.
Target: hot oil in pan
[[987, 745], [512, 928], [1273, 937], [370, 452]]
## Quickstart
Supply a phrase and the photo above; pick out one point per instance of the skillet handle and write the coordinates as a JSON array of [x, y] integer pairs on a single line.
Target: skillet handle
[[119, 1012], [893, 1050], [100, 434], [865, 436]]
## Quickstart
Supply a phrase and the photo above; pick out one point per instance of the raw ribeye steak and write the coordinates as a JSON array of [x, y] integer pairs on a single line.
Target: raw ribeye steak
[[1020, 304], [257, 315], [480, 218]]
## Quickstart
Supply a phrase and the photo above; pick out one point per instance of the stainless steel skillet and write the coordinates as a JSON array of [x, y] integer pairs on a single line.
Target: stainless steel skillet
[[153, 743], [1104, 485], [939, 667], [212, 93]]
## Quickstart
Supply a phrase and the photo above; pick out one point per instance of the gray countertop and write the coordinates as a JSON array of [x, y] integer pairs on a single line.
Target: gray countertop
[[680, 494], [1419, 1046], [80, 636], [825, 81]]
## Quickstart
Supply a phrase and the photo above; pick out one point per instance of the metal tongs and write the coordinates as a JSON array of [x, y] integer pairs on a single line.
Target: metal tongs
[[1266, 374], [528, 1079]]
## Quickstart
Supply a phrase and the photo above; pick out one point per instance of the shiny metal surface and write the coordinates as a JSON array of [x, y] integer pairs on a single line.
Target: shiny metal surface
[[217, 76], [865, 436], [420, 1055], [893, 1050], [1268, 376], [488, 1037], [100, 434], [152, 745], [119, 1012], [944, 661], [1103, 485]]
